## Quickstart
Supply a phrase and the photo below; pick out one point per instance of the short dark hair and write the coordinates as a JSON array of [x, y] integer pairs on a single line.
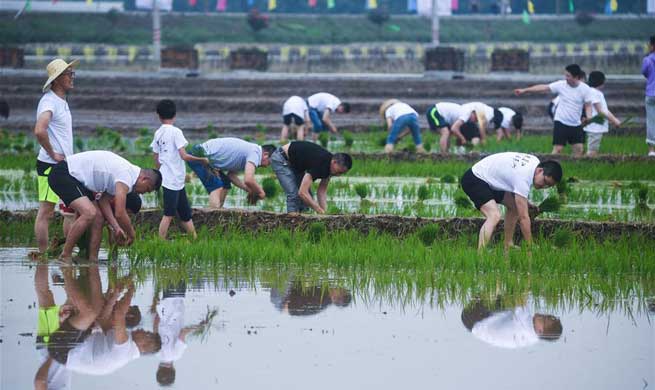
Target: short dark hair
[[165, 375], [596, 78], [517, 121], [166, 109], [346, 107], [575, 71], [133, 202], [343, 159], [155, 175], [268, 149], [552, 169], [133, 316]]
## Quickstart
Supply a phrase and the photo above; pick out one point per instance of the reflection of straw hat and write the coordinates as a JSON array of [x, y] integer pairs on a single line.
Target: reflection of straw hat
[[55, 68], [386, 104]]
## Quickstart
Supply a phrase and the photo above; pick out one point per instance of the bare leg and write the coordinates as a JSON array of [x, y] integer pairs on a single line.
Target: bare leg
[[499, 135], [492, 214], [68, 221], [301, 133], [511, 218], [557, 149], [96, 234], [87, 211], [592, 153], [578, 150], [284, 135], [41, 224], [217, 198], [443, 141], [164, 224], [190, 229], [475, 141]]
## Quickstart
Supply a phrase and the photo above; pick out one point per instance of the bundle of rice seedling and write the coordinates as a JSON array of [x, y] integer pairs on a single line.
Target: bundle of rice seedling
[[599, 119], [549, 205]]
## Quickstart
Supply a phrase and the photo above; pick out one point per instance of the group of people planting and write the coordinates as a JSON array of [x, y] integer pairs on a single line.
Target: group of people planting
[[98, 188]]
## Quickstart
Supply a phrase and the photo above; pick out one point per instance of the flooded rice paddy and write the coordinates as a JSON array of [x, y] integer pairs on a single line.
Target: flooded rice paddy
[[252, 325]]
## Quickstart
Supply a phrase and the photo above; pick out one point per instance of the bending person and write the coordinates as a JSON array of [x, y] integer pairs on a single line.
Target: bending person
[[447, 119], [321, 106], [295, 113], [399, 116], [506, 178]]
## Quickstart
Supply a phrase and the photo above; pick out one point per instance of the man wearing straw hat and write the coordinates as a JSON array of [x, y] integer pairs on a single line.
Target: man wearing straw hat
[[54, 132]]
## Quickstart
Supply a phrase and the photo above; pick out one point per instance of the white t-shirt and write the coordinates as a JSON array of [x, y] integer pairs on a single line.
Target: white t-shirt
[[59, 378], [571, 101], [100, 355], [323, 100], [508, 171], [508, 114], [295, 105], [399, 109], [167, 143], [171, 322], [452, 112], [99, 171], [481, 108], [60, 128], [599, 97], [507, 329]]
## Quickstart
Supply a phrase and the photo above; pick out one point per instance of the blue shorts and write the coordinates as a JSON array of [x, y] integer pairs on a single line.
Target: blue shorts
[[206, 176], [317, 120]]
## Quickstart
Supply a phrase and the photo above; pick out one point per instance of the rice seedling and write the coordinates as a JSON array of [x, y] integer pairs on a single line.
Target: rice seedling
[[562, 238], [316, 231], [428, 234], [270, 187], [348, 139], [362, 190], [448, 178], [550, 205], [422, 193], [324, 139]]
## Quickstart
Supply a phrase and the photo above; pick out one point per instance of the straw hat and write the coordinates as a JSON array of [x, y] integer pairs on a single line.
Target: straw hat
[[386, 104], [55, 68], [480, 114]]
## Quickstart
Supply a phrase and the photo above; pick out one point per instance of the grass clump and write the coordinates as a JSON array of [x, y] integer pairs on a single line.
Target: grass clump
[[270, 187], [316, 232], [428, 234], [562, 238], [448, 178], [348, 139], [423, 192], [550, 205], [462, 201], [361, 189], [324, 139]]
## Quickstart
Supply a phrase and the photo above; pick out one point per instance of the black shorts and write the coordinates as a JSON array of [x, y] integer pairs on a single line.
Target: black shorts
[[469, 130], [66, 186], [479, 191], [41, 167], [64, 339], [293, 117], [498, 119], [435, 120], [177, 203], [563, 134]]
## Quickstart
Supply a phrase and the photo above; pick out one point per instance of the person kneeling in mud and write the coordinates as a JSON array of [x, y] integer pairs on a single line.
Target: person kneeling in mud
[[298, 164], [77, 179], [227, 157], [506, 178], [399, 116]]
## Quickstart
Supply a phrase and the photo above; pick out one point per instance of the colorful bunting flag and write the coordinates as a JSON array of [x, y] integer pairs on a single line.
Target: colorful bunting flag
[[608, 8], [221, 5], [411, 5], [330, 4], [89, 2], [192, 3], [530, 7], [312, 3], [272, 4], [28, 5], [251, 3], [371, 4], [614, 5], [454, 5], [571, 7], [525, 17]]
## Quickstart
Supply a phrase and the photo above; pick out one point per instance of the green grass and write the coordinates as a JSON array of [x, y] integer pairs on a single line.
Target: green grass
[[136, 29], [592, 272]]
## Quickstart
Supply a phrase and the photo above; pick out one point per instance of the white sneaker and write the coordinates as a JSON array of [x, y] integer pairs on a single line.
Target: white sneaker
[[651, 154]]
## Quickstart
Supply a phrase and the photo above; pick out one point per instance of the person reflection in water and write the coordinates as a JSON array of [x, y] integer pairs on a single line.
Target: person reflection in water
[[299, 300], [509, 328], [51, 374], [107, 346]]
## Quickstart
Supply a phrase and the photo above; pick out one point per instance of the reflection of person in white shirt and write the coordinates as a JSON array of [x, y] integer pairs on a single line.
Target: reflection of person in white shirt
[[510, 328], [104, 352]]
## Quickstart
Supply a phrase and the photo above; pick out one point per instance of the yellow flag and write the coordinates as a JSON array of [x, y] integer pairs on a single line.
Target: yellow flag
[[272, 4], [89, 2], [372, 4], [614, 4], [530, 7]]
